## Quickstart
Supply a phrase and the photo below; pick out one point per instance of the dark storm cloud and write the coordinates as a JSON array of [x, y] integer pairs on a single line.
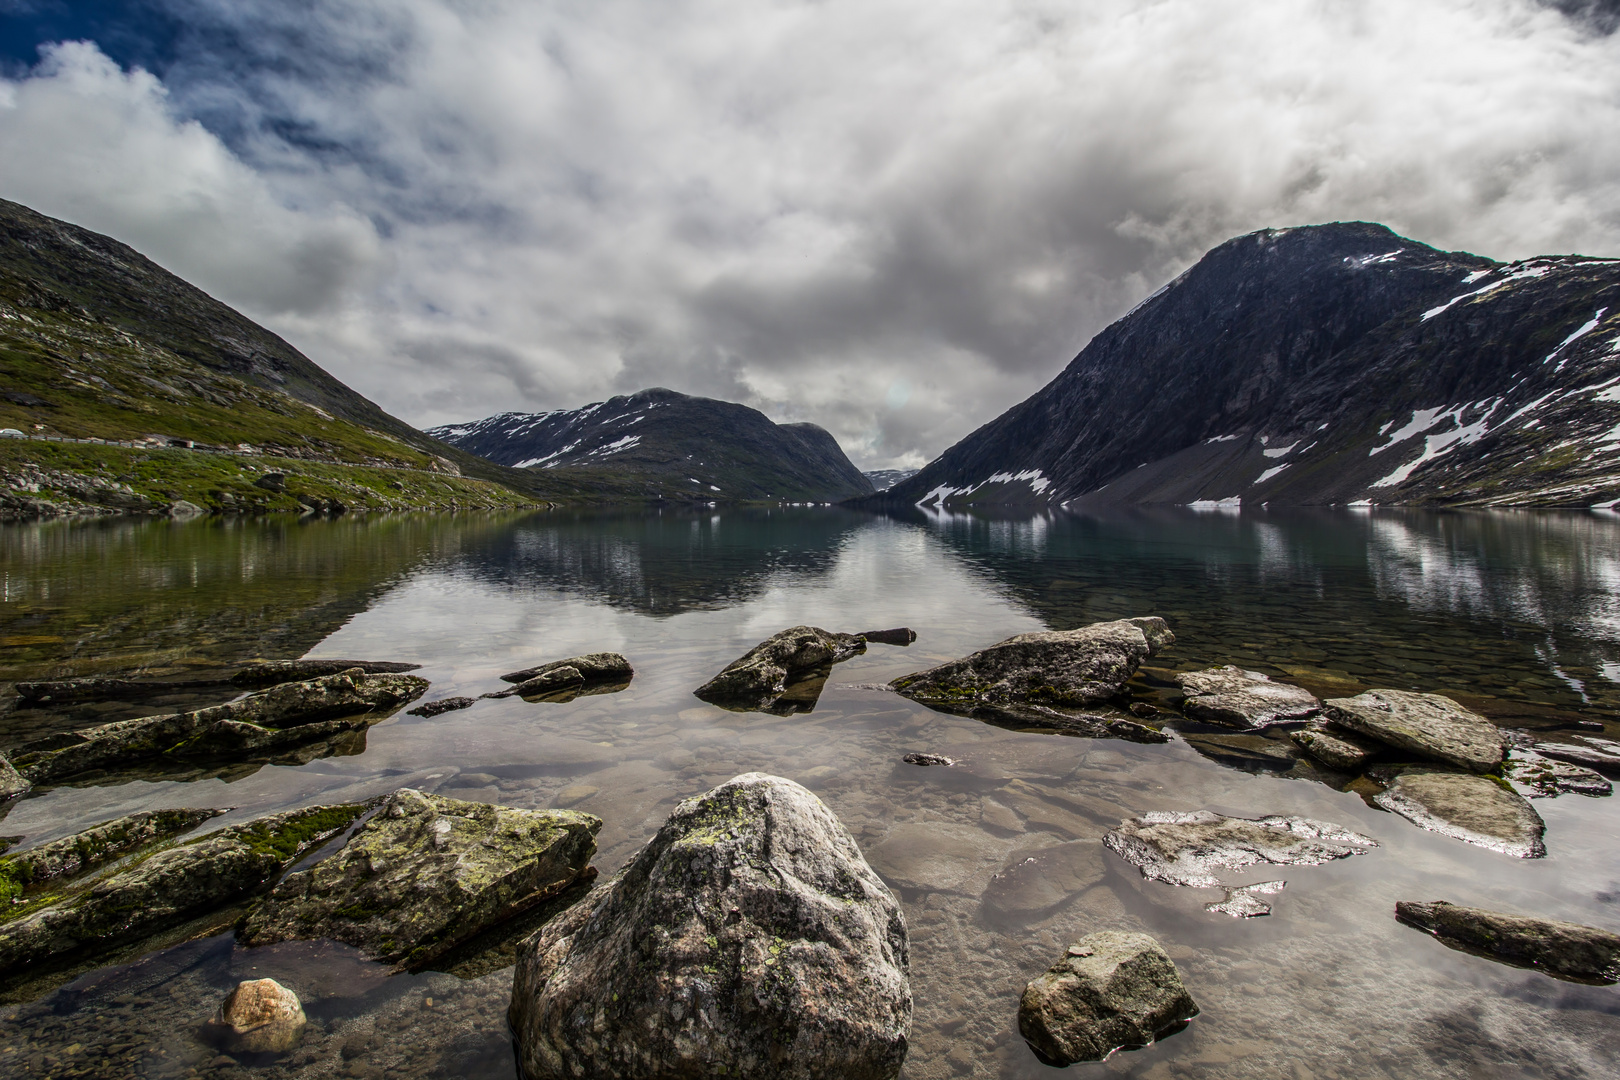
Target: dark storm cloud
[[889, 217]]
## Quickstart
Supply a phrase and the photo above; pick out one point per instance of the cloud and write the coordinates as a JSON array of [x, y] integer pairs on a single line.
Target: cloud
[[798, 205]]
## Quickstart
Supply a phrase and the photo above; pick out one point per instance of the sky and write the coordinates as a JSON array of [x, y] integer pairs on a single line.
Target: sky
[[893, 218]]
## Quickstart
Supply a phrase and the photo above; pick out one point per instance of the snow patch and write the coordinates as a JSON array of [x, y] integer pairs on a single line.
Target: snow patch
[[1532, 269], [1269, 473], [1586, 328], [1222, 438], [1226, 505], [1281, 451]]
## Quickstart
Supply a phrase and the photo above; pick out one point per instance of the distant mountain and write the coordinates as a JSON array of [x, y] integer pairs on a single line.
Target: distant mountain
[[884, 479], [667, 445], [1329, 364]]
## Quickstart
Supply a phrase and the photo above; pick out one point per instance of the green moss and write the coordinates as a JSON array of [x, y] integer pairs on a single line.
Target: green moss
[[293, 835]]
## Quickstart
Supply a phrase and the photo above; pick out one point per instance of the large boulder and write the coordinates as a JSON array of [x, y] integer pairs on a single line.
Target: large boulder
[[1561, 949], [748, 939], [1111, 991], [761, 675], [269, 720], [1186, 848], [1244, 699], [164, 889], [1428, 725], [426, 873], [1475, 809], [1052, 667]]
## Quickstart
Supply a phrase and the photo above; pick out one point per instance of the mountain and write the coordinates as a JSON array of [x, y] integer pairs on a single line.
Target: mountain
[[667, 445], [1328, 364], [884, 479], [97, 342]]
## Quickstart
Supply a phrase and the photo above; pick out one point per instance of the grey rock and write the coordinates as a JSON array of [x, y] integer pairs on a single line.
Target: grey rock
[[1186, 848], [762, 674], [748, 939], [183, 509], [900, 635], [1600, 754], [280, 671], [164, 889], [1475, 809], [1428, 725], [272, 481], [1042, 880], [74, 855], [442, 706], [1243, 901], [12, 783], [1245, 699], [590, 666], [928, 759], [1561, 949], [1054, 667], [260, 1016], [1337, 748], [424, 874], [57, 692], [1111, 991], [1549, 777], [281, 716]]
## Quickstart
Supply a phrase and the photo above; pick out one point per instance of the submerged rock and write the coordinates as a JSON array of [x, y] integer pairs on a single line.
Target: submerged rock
[[761, 675], [61, 691], [1243, 901], [281, 716], [442, 706], [1246, 699], [74, 855], [591, 667], [424, 874], [1337, 748], [1042, 880], [259, 1017], [900, 635], [1429, 725], [748, 939], [1475, 809], [1054, 667], [1561, 949], [1186, 848], [1548, 778], [1111, 991], [280, 671], [12, 783], [165, 889]]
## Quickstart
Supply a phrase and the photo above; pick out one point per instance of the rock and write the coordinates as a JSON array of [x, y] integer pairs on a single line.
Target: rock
[[561, 677], [100, 844], [902, 636], [424, 874], [1243, 901], [748, 939], [1185, 848], [937, 856], [1474, 809], [259, 1017], [1246, 699], [1549, 778], [928, 759], [442, 706], [762, 674], [593, 667], [1337, 748], [1054, 667], [1111, 991], [61, 691], [281, 716], [183, 509], [1600, 754], [280, 671], [1429, 725], [272, 481], [165, 889], [1561, 949], [1144, 710], [1042, 880], [12, 783], [575, 793]]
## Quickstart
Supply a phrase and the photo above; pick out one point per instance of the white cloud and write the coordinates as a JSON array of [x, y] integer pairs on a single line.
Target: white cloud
[[799, 204]]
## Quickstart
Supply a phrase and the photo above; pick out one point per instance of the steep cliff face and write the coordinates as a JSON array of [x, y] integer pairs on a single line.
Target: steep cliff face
[[661, 443], [1329, 364]]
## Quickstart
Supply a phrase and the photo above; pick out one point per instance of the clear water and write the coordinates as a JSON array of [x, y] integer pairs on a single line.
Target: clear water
[[1517, 614]]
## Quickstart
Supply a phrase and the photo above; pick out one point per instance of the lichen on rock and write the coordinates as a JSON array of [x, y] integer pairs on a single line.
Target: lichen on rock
[[760, 676], [1429, 725], [1187, 848], [1563, 950], [1477, 810], [1244, 699], [1111, 991]]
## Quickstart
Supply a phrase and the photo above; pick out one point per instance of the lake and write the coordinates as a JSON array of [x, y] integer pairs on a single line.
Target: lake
[[1516, 614]]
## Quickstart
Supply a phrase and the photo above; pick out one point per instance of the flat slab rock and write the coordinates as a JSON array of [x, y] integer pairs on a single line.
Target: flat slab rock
[[1053, 667], [1110, 991], [1548, 778], [762, 674], [67, 858], [280, 671], [1244, 699], [1474, 809], [1594, 753], [1337, 748], [1561, 949], [424, 874], [748, 939], [543, 679], [1428, 725], [1187, 848]]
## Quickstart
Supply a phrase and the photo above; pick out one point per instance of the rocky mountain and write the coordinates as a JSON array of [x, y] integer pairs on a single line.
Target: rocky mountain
[[1329, 364], [668, 445], [884, 479], [97, 342]]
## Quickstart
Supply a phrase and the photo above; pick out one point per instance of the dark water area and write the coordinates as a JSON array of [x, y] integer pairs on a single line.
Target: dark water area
[[1516, 614]]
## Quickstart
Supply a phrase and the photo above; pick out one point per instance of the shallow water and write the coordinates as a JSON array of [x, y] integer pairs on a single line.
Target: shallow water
[[1516, 613]]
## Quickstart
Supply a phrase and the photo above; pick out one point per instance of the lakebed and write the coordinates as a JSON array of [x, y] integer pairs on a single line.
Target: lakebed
[[1516, 614]]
